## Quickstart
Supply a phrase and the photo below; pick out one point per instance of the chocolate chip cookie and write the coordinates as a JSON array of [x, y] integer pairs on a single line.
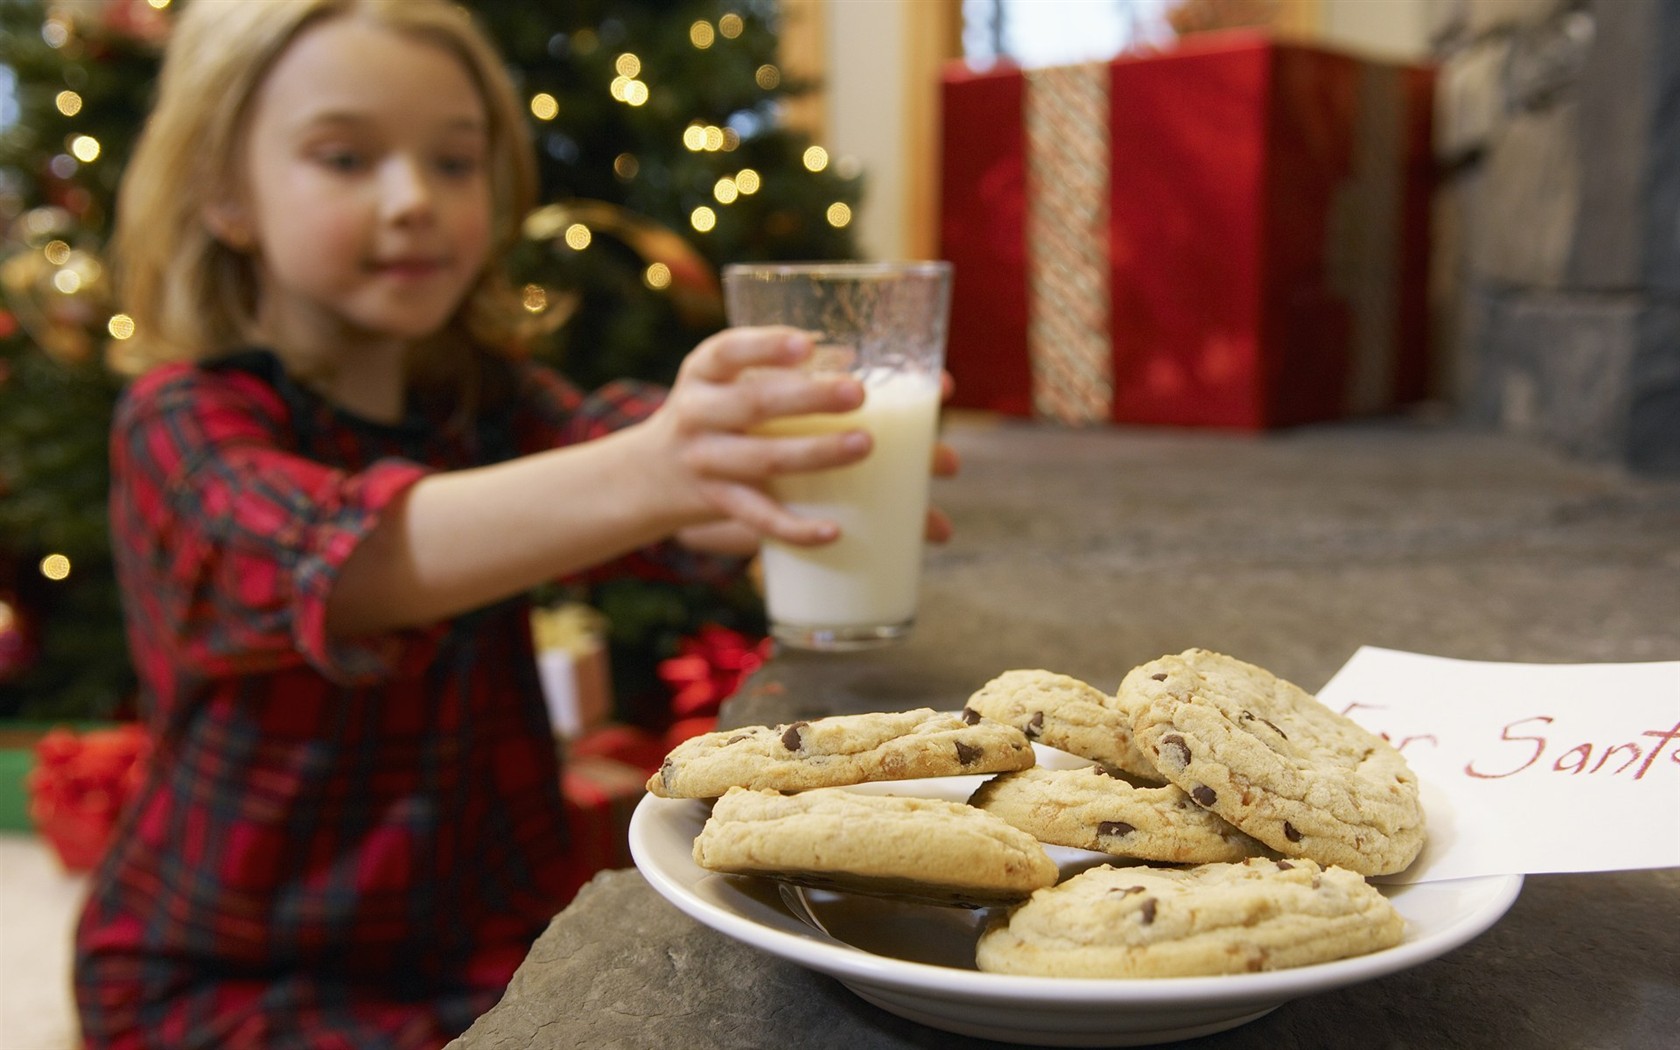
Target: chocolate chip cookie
[[1210, 919], [1091, 809], [930, 849], [840, 750], [1269, 758], [1067, 714]]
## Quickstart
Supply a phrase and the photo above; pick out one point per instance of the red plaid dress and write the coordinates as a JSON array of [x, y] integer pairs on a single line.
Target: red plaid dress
[[339, 844]]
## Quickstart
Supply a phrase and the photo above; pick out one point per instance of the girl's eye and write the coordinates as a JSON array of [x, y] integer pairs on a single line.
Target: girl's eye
[[458, 165], [341, 160]]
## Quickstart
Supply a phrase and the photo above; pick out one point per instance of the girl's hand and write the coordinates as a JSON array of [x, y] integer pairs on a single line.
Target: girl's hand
[[707, 460], [735, 539], [731, 537]]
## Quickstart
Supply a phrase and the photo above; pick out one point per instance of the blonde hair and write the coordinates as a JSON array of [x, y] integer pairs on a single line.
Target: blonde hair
[[191, 295]]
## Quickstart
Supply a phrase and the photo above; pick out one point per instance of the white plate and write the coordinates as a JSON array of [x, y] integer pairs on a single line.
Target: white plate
[[916, 960]]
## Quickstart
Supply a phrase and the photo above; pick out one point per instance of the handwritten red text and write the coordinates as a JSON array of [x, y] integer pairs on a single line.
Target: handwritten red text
[[1584, 757]]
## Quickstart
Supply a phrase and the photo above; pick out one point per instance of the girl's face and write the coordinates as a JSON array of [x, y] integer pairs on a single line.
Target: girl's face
[[368, 201]]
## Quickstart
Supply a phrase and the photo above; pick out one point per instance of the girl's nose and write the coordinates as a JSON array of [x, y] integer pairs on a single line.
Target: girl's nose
[[405, 191]]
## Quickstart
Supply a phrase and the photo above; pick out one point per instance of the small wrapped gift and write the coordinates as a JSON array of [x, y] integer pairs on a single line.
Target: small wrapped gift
[[1231, 233], [79, 786], [570, 640]]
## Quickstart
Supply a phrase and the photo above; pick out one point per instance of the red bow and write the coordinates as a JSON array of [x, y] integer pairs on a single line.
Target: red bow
[[708, 669]]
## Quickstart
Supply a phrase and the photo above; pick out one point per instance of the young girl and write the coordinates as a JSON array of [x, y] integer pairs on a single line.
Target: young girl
[[328, 496]]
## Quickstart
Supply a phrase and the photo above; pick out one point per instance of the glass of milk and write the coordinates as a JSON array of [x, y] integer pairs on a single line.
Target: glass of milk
[[883, 323]]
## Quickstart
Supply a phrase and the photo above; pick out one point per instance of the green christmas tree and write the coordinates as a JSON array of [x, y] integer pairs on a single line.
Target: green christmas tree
[[662, 159]]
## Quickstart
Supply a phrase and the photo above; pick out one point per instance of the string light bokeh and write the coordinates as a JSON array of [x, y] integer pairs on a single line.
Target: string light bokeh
[[58, 289], [634, 83]]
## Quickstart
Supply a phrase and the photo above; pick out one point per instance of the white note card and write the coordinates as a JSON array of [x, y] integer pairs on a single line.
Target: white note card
[[1527, 768]]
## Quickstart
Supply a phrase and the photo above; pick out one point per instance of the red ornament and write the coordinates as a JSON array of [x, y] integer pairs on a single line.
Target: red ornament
[[17, 639], [80, 785], [709, 667]]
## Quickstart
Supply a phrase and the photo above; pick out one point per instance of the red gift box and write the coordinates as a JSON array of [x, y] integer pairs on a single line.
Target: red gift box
[[1233, 233]]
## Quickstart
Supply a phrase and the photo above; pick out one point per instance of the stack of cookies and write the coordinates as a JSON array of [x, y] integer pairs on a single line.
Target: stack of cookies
[[1272, 808], [783, 810]]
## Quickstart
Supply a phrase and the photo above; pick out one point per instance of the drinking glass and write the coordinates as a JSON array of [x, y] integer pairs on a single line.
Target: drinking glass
[[883, 323]]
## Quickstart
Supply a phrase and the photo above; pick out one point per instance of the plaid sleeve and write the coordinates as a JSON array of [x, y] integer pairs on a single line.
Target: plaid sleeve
[[231, 542], [556, 413]]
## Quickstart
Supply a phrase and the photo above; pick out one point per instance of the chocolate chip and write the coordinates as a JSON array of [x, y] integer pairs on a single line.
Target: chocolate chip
[[1159, 676], [1180, 756], [1284, 865], [736, 739], [1148, 910], [971, 716], [1035, 724], [790, 739], [1204, 795], [967, 754], [1249, 716], [1115, 828], [1290, 833]]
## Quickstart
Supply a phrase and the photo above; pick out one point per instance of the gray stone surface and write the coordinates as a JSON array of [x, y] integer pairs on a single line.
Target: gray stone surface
[[1483, 17], [1446, 19], [1091, 551], [1563, 367], [1559, 134], [1662, 209], [1595, 376], [1469, 100], [1522, 213], [1546, 60], [1617, 96], [1654, 417]]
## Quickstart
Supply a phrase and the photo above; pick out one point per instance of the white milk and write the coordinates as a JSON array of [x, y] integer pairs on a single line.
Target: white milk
[[869, 576]]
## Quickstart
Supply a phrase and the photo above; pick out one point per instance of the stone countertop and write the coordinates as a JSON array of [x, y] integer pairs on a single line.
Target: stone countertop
[[1580, 961], [1088, 552]]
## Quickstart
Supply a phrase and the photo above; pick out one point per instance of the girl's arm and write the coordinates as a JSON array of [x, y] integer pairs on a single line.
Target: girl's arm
[[459, 540]]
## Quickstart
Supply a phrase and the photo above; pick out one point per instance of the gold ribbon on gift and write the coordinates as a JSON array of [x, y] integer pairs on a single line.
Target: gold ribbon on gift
[[570, 626], [1069, 341]]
